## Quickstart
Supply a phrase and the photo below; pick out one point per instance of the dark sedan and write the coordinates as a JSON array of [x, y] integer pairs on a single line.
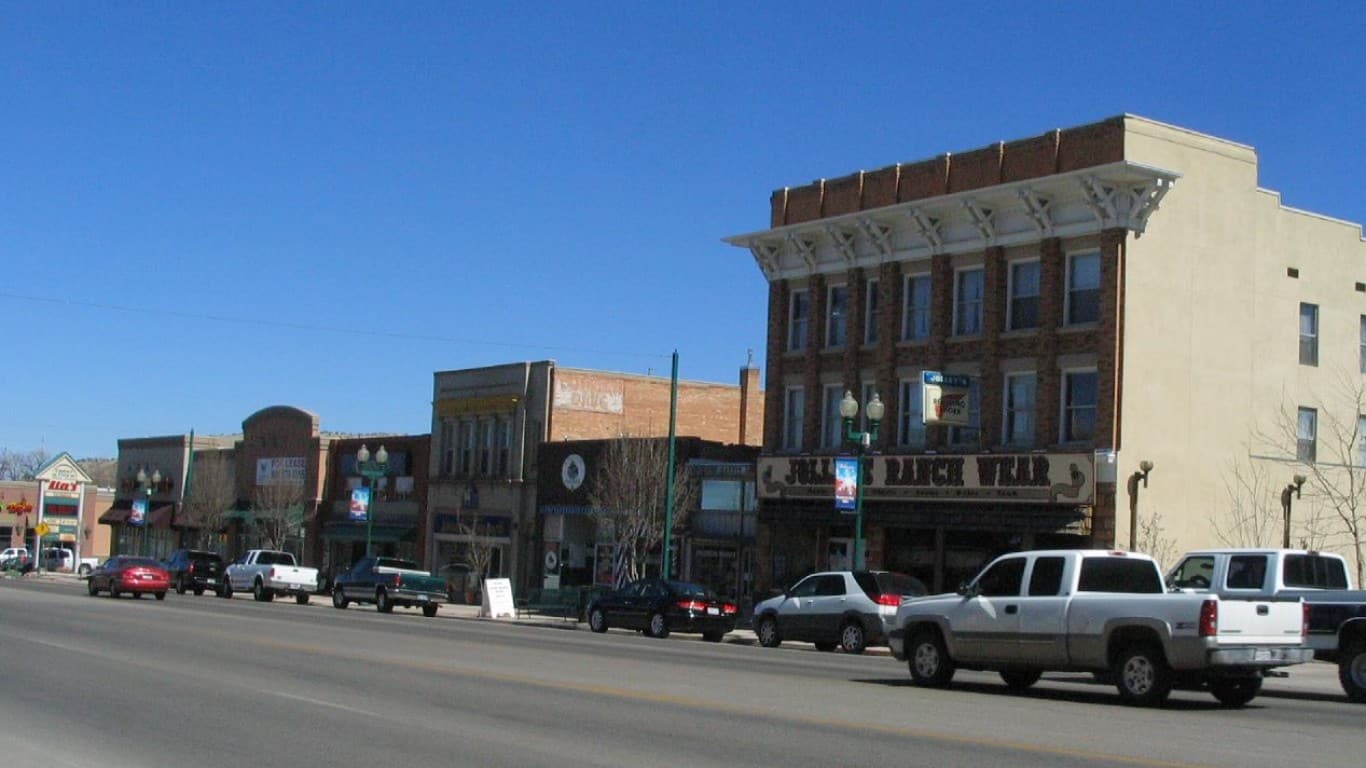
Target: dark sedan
[[135, 575], [658, 607]]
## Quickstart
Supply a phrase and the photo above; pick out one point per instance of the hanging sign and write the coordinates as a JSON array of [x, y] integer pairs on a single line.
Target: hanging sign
[[846, 484], [359, 511], [945, 398], [137, 514]]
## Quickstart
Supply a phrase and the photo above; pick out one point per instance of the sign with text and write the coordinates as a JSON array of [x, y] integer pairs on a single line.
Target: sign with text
[[288, 470], [359, 509], [846, 484], [497, 600], [945, 398], [1025, 478], [137, 514]]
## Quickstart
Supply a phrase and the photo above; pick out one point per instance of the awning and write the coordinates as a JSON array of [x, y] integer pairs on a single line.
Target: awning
[[114, 515], [344, 531], [161, 517]]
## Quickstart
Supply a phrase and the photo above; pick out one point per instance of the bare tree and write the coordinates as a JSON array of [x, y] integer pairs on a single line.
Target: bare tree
[[1335, 468], [478, 550], [1151, 540], [279, 511], [21, 465], [628, 498], [213, 490]]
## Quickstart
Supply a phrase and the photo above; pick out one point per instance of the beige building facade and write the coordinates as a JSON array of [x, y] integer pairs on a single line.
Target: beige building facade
[[1118, 293]]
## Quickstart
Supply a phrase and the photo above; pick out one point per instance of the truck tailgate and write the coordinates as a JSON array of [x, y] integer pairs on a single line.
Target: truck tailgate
[[1260, 622]]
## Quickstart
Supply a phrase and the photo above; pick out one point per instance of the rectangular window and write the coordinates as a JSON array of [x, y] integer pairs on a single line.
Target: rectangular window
[[872, 312], [1309, 334], [967, 304], [798, 317], [1083, 288], [504, 446], [1018, 428], [832, 426], [915, 308], [1306, 435], [485, 446], [836, 315], [447, 447], [793, 406], [1024, 295], [1079, 406], [970, 436], [466, 447], [910, 424]]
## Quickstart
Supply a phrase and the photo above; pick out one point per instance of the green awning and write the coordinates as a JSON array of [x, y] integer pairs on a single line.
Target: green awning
[[356, 532]]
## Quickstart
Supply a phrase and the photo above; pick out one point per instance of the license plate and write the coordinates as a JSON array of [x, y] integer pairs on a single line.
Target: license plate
[[293, 586], [1262, 654], [713, 611]]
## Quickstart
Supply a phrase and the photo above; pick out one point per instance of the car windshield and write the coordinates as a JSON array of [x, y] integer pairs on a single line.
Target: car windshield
[[139, 562], [686, 589]]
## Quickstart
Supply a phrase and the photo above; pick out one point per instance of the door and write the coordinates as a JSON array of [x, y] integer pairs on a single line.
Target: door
[[986, 624], [827, 606], [1043, 613]]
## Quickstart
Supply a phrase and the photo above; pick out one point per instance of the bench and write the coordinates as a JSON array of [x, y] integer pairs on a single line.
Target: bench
[[564, 603]]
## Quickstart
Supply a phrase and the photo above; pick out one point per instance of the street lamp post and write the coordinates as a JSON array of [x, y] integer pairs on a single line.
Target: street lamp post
[[1294, 488], [373, 471], [148, 484], [861, 442], [1144, 468]]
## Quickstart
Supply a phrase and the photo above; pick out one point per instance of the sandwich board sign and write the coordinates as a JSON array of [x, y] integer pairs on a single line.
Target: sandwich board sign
[[945, 398]]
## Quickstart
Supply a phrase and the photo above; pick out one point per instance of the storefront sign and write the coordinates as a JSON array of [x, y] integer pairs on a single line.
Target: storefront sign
[[1031, 478], [846, 483], [137, 514], [945, 398], [280, 471]]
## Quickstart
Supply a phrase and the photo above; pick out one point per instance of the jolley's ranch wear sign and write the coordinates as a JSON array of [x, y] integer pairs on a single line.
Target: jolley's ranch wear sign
[[1054, 478]]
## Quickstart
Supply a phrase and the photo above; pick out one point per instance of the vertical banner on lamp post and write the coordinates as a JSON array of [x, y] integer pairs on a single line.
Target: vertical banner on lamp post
[[360, 505], [846, 484], [137, 515]]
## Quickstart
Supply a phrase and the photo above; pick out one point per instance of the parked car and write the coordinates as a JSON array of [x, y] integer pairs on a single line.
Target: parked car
[[14, 557], [848, 609], [58, 559], [268, 573], [657, 607], [387, 582], [194, 569], [1094, 611], [136, 575]]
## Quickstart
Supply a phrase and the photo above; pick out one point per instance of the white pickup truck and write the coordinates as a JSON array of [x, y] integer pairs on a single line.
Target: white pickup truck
[[1337, 613], [267, 573], [1102, 612]]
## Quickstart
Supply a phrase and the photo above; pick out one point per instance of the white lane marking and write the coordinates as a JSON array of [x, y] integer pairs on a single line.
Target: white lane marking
[[321, 703]]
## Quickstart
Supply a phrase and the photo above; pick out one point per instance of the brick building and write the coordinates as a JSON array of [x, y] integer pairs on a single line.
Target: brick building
[[487, 424], [1099, 333]]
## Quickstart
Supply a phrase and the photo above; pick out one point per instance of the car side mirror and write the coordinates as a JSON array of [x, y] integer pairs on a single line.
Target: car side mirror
[[967, 589]]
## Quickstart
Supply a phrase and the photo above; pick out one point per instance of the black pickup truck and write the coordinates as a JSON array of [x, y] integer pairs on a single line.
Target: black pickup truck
[[193, 569], [387, 582]]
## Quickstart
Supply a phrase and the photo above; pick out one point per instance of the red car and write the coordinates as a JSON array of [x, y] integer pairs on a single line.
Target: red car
[[137, 575]]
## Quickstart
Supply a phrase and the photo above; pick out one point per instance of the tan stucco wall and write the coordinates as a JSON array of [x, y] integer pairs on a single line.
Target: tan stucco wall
[[1212, 327]]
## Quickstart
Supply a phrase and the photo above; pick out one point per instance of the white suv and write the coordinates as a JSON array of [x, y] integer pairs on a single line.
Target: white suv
[[850, 609], [13, 557]]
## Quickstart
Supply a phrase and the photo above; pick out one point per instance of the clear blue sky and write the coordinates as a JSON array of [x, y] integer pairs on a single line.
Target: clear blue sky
[[210, 208]]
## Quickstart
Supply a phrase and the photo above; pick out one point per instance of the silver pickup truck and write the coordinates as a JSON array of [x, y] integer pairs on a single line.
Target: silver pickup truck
[[1103, 612]]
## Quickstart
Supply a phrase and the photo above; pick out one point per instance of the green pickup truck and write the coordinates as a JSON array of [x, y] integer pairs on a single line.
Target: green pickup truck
[[387, 582]]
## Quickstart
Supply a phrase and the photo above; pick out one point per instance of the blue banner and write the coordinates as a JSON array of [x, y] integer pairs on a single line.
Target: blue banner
[[137, 515], [359, 511], [846, 484]]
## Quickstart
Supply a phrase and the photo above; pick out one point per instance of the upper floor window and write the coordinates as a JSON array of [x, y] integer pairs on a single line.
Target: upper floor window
[[836, 315], [1018, 427], [967, 304], [915, 308], [447, 448], [1309, 334], [872, 312], [910, 422], [1083, 288], [794, 404], [1306, 435], [504, 446], [485, 446], [466, 447], [970, 435], [798, 318], [832, 426], [1024, 295], [1079, 406]]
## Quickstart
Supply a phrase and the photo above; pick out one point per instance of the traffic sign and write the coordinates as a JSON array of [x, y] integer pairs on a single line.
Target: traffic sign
[[42, 529]]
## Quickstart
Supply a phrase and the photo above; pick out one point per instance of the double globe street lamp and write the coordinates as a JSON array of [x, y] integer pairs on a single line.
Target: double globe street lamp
[[148, 484], [861, 441], [373, 471]]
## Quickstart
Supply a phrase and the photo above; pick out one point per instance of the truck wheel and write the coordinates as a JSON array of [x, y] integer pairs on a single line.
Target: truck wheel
[[260, 593], [225, 588], [301, 598], [429, 610], [852, 638], [1352, 672], [339, 599], [382, 602], [180, 584], [929, 660], [1142, 676], [1235, 691], [1020, 679], [768, 632]]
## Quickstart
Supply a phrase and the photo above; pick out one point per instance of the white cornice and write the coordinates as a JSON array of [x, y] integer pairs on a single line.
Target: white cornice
[[1082, 202]]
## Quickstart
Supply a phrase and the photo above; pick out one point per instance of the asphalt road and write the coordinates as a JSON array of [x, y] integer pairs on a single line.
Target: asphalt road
[[193, 681]]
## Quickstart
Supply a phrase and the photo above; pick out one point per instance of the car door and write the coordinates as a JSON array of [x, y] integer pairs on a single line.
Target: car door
[[825, 612], [1043, 612], [623, 606], [986, 621], [794, 620]]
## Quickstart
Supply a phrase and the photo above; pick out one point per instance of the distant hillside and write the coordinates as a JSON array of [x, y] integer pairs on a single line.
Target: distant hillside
[[102, 471]]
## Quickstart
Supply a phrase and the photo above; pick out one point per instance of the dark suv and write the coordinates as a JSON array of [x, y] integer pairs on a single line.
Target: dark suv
[[194, 569]]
